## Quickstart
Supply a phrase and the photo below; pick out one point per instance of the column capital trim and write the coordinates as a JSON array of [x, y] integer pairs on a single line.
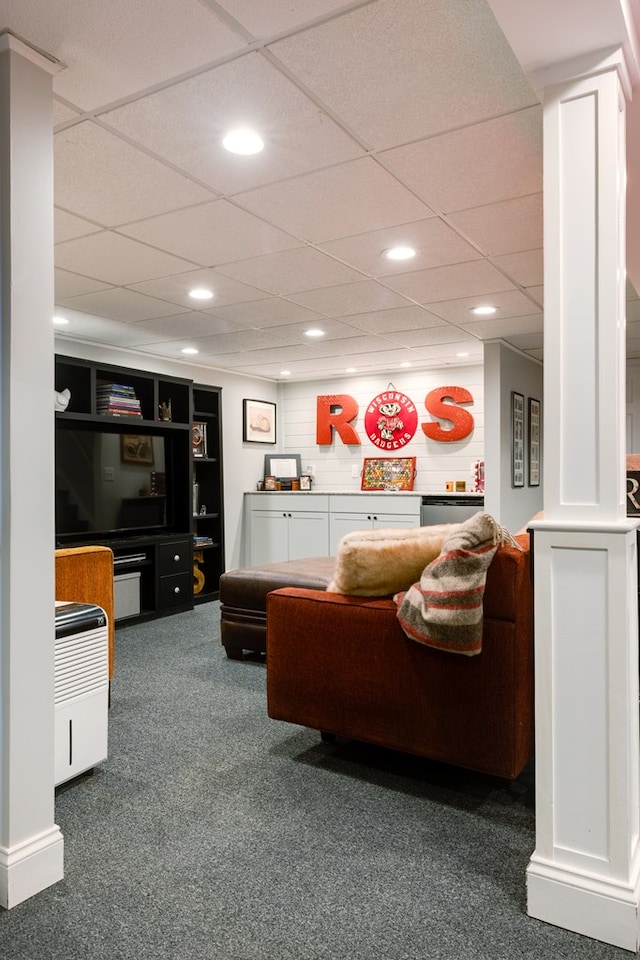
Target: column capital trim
[[10, 42], [587, 65]]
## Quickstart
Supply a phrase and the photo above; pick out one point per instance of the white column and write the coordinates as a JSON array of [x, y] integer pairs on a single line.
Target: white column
[[585, 872], [31, 845]]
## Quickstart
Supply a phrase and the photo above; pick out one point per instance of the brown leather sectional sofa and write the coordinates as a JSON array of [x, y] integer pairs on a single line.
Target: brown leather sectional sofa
[[343, 666]]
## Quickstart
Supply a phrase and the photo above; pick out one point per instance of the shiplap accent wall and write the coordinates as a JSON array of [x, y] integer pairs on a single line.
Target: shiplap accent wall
[[435, 462]]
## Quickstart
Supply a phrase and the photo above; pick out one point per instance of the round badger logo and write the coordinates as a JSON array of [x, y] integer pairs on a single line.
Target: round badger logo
[[391, 420]]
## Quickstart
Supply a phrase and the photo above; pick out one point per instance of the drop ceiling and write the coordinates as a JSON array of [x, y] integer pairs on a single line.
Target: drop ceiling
[[384, 121]]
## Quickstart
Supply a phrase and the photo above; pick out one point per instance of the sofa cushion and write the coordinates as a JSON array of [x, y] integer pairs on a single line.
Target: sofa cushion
[[379, 563]]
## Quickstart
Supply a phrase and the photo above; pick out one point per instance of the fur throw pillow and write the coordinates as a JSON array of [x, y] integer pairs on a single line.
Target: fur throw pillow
[[378, 563]]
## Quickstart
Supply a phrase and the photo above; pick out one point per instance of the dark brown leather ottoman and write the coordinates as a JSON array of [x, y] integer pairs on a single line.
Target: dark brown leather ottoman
[[243, 599]]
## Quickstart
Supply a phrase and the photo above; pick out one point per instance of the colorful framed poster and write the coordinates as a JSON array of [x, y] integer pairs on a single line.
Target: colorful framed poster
[[388, 473]]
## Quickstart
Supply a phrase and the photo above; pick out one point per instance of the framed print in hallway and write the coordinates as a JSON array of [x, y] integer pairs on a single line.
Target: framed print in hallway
[[534, 442], [258, 421], [517, 439]]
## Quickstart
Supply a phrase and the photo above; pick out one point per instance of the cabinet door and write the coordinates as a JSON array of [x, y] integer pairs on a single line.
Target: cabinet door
[[382, 520], [342, 523], [308, 535], [269, 536]]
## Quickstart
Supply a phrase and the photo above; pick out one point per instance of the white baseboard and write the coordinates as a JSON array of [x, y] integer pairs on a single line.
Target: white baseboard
[[31, 866], [601, 909]]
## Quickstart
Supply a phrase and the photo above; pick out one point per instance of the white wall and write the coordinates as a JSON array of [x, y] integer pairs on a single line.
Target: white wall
[[506, 370], [436, 462]]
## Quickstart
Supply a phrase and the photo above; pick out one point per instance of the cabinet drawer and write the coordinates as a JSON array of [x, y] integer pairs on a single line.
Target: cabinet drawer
[[176, 590], [174, 557]]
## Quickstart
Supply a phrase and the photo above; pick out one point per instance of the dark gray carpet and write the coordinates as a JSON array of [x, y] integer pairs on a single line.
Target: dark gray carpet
[[214, 833]]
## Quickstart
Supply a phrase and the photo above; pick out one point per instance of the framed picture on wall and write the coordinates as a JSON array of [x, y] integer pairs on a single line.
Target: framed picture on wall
[[517, 439], [258, 421], [534, 442]]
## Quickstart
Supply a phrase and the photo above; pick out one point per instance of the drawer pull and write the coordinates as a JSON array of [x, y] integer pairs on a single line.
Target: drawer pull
[[176, 589], [177, 557]]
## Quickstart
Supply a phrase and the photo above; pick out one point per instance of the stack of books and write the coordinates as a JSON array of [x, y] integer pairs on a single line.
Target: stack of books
[[199, 542], [118, 400]]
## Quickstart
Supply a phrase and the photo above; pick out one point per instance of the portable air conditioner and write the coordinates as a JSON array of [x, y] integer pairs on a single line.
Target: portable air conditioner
[[81, 688]]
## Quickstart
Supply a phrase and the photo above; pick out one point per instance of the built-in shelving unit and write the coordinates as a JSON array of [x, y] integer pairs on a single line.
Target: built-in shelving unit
[[124, 478], [207, 499]]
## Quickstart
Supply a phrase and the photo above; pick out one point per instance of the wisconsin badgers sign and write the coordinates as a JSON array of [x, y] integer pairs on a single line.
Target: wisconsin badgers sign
[[391, 418]]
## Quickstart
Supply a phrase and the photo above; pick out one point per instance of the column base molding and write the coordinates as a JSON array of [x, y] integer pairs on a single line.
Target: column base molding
[[31, 866], [591, 905]]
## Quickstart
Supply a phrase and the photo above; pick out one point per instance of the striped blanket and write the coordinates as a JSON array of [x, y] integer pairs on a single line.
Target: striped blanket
[[444, 609]]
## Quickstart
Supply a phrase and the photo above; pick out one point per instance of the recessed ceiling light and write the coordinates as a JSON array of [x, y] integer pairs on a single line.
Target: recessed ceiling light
[[314, 332], [189, 350], [462, 354], [243, 141], [484, 311], [350, 370], [60, 321], [405, 364], [400, 253], [201, 293], [285, 373]]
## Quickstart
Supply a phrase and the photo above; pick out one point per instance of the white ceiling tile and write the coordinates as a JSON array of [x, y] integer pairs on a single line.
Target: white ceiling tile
[[480, 164], [213, 233], [66, 226], [347, 205], [501, 228], [176, 289], [525, 269], [398, 318], [358, 297], [115, 259], [527, 341], [179, 125], [86, 326], [396, 72], [189, 325], [267, 19], [420, 338], [113, 49], [537, 294], [290, 271], [513, 326], [334, 331], [72, 285], [434, 241], [509, 303], [477, 277], [62, 113], [266, 313], [99, 176], [120, 304]]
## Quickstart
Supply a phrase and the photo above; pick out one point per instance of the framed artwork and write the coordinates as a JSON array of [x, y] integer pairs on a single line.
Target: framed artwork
[[305, 482], [534, 442], [258, 421], [282, 466], [517, 439], [136, 449], [199, 440], [388, 473]]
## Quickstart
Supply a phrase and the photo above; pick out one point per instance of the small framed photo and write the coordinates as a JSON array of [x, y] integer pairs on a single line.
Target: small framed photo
[[199, 440], [136, 449], [270, 483], [534, 442], [258, 421], [517, 439], [305, 482]]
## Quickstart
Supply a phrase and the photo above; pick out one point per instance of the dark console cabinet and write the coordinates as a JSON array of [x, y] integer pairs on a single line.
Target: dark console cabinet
[[125, 475]]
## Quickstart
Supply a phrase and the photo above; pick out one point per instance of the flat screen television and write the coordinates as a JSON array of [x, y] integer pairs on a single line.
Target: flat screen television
[[110, 483]]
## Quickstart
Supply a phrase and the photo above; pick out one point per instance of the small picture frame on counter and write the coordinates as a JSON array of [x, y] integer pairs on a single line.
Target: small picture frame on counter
[[270, 483], [305, 482]]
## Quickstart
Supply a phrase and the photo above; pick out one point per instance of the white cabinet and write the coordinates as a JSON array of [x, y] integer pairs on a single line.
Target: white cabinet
[[370, 512], [285, 526]]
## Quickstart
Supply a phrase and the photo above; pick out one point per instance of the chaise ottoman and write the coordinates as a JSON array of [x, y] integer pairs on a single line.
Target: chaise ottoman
[[243, 599]]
